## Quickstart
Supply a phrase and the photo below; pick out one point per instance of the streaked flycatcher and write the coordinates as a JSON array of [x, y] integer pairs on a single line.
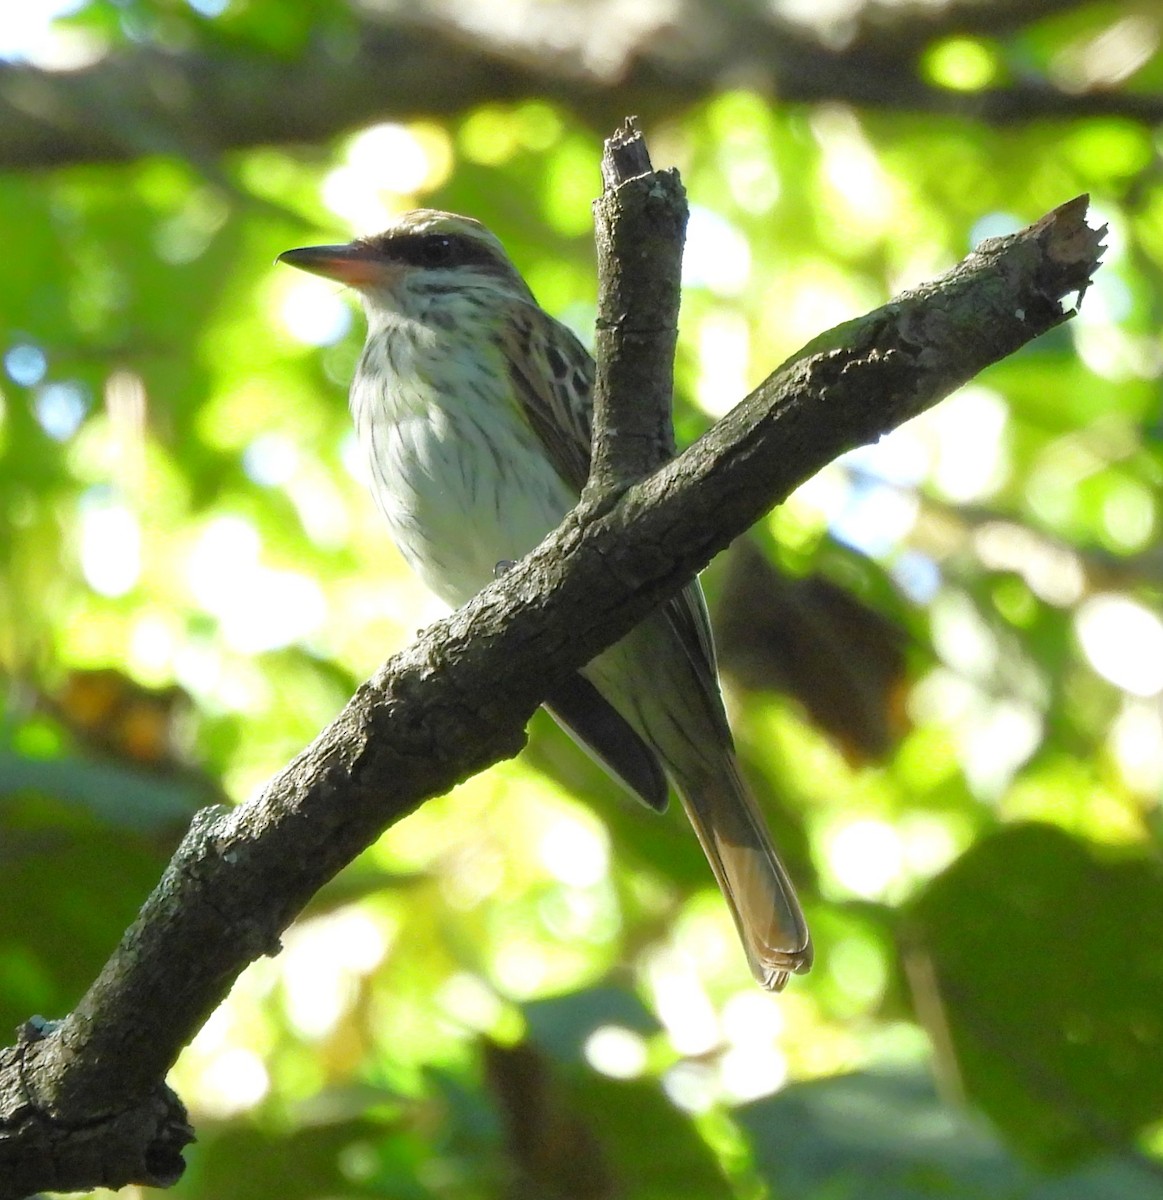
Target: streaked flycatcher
[[473, 406]]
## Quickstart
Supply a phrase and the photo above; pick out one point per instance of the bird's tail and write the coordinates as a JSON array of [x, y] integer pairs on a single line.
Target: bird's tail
[[752, 879]]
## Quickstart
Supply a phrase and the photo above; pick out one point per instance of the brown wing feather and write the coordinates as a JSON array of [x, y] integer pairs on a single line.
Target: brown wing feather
[[553, 377], [598, 727]]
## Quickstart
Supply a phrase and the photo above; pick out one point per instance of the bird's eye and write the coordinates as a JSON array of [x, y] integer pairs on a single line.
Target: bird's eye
[[437, 251]]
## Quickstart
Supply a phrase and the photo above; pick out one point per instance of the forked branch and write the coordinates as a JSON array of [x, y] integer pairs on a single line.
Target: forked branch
[[83, 1102]]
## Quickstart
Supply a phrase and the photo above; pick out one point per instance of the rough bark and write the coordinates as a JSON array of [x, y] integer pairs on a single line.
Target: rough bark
[[639, 278]]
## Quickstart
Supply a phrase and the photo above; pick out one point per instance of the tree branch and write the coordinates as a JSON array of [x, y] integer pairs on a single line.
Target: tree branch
[[458, 698], [639, 225], [436, 61], [890, 25]]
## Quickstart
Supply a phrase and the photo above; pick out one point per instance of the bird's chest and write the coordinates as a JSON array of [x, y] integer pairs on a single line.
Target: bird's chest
[[459, 474]]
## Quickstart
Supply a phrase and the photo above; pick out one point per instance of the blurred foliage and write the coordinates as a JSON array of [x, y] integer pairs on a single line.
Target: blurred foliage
[[533, 974]]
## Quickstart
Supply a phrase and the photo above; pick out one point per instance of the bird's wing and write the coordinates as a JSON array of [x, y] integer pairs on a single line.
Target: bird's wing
[[597, 726], [553, 379]]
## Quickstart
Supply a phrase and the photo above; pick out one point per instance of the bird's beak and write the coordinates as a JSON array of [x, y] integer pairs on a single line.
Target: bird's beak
[[352, 264]]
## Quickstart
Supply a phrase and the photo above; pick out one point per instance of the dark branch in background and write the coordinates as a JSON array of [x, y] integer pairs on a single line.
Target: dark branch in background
[[912, 27], [219, 96], [83, 1103]]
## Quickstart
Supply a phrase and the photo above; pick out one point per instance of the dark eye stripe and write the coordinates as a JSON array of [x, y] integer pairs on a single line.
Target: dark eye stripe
[[433, 249]]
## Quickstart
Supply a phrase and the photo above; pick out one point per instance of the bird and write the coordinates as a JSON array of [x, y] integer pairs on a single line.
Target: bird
[[473, 406]]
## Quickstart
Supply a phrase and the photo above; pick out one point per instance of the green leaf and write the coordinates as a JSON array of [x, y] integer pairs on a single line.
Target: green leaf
[[118, 795], [72, 884], [887, 1136], [562, 1024], [1042, 958]]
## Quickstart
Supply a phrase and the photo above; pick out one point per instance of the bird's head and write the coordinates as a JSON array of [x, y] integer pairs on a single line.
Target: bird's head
[[424, 257]]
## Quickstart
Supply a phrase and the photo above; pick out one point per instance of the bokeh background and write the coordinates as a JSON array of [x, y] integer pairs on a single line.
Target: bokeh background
[[943, 655]]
